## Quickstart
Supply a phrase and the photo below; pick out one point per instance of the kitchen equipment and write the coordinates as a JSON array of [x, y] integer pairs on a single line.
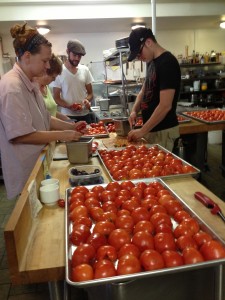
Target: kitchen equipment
[[122, 126], [122, 43], [209, 203], [196, 85], [104, 104], [80, 151]]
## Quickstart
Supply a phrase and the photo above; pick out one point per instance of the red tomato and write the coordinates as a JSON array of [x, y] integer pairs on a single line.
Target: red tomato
[[183, 229], [119, 237], [149, 202], [202, 237], [164, 241], [104, 268], [181, 215], [83, 220], [129, 249], [95, 213], [113, 186], [82, 272], [212, 250], [126, 222], [157, 208], [108, 216], [120, 200], [143, 240], [98, 189], [77, 212], [80, 189], [172, 206], [130, 205], [96, 240], [137, 192], [140, 214], [192, 256], [61, 203], [91, 202], [83, 254], [79, 234], [109, 206], [186, 241], [107, 196], [151, 260], [128, 264], [192, 223], [172, 258], [75, 203], [160, 218], [144, 225], [106, 252], [104, 227]]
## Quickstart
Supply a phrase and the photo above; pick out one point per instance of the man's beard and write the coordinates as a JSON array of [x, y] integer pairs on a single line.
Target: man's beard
[[73, 63]]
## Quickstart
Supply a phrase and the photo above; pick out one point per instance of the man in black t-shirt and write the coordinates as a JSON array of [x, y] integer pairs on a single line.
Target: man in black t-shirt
[[159, 94]]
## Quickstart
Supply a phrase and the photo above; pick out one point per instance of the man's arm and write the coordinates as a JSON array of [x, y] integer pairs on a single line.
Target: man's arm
[[58, 99]]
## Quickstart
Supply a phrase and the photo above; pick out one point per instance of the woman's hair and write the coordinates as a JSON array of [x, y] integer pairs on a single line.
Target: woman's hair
[[55, 66], [27, 38]]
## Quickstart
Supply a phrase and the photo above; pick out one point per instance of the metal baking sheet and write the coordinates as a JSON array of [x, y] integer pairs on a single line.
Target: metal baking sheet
[[187, 114], [100, 135], [161, 148], [183, 119], [123, 278]]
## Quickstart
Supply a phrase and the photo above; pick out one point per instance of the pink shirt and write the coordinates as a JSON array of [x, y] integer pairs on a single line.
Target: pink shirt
[[22, 111]]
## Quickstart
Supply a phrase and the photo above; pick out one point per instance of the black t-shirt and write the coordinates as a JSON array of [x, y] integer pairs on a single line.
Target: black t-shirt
[[162, 73]]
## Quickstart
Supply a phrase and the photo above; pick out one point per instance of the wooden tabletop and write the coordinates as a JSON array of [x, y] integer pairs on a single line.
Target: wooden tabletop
[[198, 127], [36, 248]]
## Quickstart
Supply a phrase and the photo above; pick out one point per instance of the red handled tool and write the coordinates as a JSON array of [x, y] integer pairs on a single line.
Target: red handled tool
[[209, 203]]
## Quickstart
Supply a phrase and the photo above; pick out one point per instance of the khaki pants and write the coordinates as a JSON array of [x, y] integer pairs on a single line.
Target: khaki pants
[[164, 138]]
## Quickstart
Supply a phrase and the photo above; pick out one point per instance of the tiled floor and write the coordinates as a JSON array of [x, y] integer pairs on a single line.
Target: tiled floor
[[211, 178]]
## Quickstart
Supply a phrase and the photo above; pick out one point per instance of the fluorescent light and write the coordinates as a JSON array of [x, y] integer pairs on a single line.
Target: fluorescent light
[[222, 24], [137, 25], [43, 29]]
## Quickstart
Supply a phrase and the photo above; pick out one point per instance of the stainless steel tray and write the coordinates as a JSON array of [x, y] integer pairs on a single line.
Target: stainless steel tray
[[183, 119], [100, 135], [145, 274], [188, 114], [196, 172]]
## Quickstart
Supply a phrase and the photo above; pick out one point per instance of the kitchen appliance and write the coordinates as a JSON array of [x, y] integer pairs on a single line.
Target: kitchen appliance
[[79, 151], [122, 126], [122, 43]]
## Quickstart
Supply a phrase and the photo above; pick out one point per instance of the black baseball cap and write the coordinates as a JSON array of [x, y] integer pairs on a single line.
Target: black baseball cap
[[76, 47], [137, 37]]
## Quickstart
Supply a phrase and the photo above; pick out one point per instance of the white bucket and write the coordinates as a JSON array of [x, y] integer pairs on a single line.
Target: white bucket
[[215, 137]]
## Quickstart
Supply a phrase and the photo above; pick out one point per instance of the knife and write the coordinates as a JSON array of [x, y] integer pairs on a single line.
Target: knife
[[209, 203]]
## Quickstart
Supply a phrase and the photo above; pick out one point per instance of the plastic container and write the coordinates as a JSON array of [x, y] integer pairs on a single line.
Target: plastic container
[[79, 152], [95, 178]]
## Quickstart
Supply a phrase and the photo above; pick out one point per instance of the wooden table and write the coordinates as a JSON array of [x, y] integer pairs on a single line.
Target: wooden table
[[36, 247]]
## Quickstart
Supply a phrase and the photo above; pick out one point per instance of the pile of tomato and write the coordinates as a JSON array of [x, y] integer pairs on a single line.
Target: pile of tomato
[[111, 127], [96, 129], [181, 118], [211, 115], [76, 107], [125, 228], [142, 162]]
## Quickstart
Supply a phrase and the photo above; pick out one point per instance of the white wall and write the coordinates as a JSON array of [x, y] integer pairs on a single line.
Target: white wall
[[174, 41]]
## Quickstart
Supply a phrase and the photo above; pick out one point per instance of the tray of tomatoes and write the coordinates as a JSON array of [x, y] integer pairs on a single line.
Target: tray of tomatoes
[[127, 230], [97, 130], [183, 119], [208, 116], [143, 161]]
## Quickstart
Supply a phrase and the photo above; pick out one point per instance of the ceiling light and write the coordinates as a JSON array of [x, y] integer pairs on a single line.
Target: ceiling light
[[43, 29], [137, 25], [222, 24]]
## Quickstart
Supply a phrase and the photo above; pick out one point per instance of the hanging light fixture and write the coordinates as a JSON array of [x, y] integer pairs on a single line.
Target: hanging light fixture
[[222, 24], [137, 25], [43, 29]]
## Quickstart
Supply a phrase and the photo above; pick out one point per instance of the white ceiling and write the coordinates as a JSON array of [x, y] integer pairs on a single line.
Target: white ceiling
[[170, 15]]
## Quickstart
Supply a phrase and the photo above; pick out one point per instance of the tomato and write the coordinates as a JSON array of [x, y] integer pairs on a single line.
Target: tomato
[[159, 218], [91, 194], [118, 237], [129, 249], [149, 202], [95, 213], [130, 205], [83, 220], [181, 215], [140, 214], [192, 256], [83, 254], [165, 198], [77, 212], [61, 203], [106, 252], [96, 240], [192, 223], [109, 206], [75, 204], [104, 268], [77, 196], [125, 193], [82, 272], [120, 200], [128, 264], [91, 202], [163, 227], [107, 196], [108, 216], [172, 258], [186, 241], [183, 229], [80, 189], [137, 192], [144, 225], [212, 250], [164, 241], [172, 206], [98, 189], [126, 222], [202, 237], [151, 260], [79, 234], [113, 186], [143, 240], [157, 208], [104, 227]]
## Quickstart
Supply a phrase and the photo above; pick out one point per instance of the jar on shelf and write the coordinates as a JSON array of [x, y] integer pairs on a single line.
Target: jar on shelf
[[204, 86]]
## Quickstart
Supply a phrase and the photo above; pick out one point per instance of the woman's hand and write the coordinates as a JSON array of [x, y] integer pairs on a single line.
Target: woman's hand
[[132, 119], [70, 135], [80, 126]]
